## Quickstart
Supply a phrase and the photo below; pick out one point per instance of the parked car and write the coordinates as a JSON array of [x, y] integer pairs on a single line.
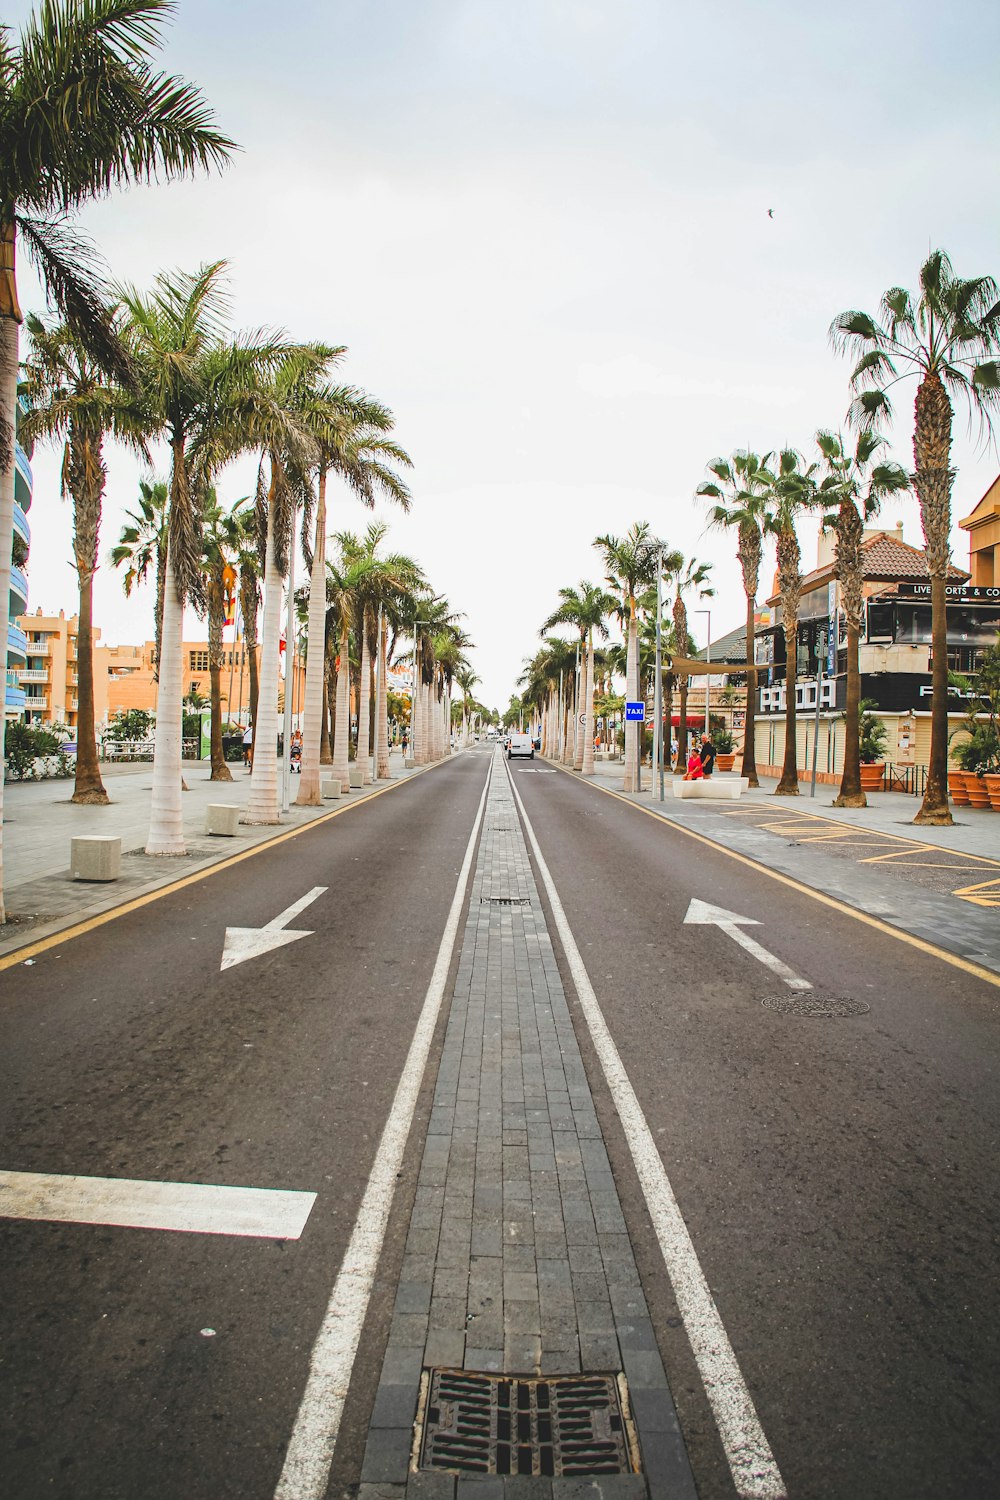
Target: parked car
[[520, 744]]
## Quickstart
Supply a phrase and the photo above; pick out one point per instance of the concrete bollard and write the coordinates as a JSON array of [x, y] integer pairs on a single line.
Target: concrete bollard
[[223, 819], [330, 786], [409, 763], [355, 775], [95, 856]]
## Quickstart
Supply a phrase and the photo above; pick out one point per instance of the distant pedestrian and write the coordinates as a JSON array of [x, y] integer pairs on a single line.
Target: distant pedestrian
[[707, 755], [674, 747], [248, 747]]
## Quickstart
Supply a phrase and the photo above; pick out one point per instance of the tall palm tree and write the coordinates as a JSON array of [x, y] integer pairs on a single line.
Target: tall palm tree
[[740, 490], [81, 112], [200, 391], [794, 492], [630, 563], [72, 401], [691, 576], [586, 607], [947, 337], [142, 546], [466, 679], [348, 429], [854, 485]]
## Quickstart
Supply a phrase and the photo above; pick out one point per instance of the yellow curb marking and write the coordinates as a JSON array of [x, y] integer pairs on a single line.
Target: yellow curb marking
[[976, 970], [66, 934]]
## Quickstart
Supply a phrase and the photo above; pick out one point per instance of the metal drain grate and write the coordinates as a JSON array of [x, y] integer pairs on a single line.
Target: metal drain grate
[[505, 900], [815, 1005], [568, 1425]]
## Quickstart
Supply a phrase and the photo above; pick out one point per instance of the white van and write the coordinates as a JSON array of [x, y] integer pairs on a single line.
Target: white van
[[520, 744]]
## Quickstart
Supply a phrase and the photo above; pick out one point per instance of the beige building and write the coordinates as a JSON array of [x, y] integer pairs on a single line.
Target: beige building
[[123, 675]]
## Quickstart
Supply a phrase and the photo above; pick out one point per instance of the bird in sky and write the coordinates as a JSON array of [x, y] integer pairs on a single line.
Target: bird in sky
[[770, 213]]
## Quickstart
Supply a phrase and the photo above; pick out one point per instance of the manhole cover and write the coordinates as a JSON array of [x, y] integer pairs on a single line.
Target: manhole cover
[[572, 1425], [505, 901], [815, 1005]]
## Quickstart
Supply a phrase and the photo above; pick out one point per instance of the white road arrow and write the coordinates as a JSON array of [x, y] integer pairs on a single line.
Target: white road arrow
[[700, 913], [250, 942]]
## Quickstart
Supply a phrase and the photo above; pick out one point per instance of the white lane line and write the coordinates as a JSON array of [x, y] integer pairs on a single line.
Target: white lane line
[[751, 1462], [702, 914], [190, 1207], [314, 1437]]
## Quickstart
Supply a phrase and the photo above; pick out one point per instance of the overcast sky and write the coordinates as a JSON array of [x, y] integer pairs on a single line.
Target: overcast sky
[[542, 229]]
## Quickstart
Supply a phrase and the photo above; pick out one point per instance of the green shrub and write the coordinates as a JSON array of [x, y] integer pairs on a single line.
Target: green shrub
[[872, 734]]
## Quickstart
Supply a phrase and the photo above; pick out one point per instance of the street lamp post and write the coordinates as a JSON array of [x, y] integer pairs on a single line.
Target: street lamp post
[[708, 661], [658, 683]]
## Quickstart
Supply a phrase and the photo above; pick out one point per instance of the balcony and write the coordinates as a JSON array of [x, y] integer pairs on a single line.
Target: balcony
[[34, 674], [17, 644], [18, 592], [23, 481], [14, 699], [21, 527], [39, 648]]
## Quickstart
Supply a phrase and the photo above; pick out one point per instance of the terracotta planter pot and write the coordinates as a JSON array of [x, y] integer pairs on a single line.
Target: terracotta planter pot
[[726, 762], [977, 791], [872, 776], [956, 788], [992, 783]]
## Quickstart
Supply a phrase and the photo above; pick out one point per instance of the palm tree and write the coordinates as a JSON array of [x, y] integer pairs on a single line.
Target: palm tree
[[690, 576], [466, 679], [586, 607], [794, 491], [72, 401], [631, 562], [853, 487], [81, 112], [347, 428], [221, 537], [946, 337], [744, 483], [201, 392], [143, 545]]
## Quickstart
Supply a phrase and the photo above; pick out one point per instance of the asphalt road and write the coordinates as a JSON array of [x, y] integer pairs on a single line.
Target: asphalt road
[[838, 1176], [127, 1053]]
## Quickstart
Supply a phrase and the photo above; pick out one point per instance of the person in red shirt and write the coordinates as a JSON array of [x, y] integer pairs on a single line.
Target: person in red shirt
[[695, 770]]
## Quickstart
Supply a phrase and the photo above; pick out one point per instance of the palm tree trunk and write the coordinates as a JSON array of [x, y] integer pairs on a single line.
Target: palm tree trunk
[[342, 728], [682, 733], [382, 709], [749, 749], [216, 604], [329, 708], [262, 805], [364, 707], [312, 737], [788, 786], [850, 794], [932, 481], [166, 822], [88, 788], [10, 317], [581, 728], [587, 766]]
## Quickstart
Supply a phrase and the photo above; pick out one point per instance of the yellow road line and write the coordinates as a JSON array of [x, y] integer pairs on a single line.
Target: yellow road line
[[66, 934], [952, 959]]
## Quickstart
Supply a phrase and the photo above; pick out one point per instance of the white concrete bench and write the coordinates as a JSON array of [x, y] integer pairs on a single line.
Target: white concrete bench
[[330, 786], [724, 788], [223, 819], [95, 856], [355, 777]]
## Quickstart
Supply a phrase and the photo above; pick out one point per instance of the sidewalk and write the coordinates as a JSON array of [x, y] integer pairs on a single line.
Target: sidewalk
[[40, 821], [938, 884]]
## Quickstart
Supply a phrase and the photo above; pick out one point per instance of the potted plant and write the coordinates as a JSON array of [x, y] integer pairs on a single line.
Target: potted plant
[[978, 759], [725, 753], [872, 738]]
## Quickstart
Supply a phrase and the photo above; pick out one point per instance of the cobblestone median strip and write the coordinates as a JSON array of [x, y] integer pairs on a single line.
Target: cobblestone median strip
[[518, 1259]]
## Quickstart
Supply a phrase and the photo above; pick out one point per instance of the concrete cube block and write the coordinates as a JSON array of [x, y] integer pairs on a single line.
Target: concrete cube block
[[356, 777], [409, 763], [330, 786], [95, 856], [221, 818]]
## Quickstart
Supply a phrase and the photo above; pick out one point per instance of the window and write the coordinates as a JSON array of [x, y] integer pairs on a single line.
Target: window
[[198, 661]]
